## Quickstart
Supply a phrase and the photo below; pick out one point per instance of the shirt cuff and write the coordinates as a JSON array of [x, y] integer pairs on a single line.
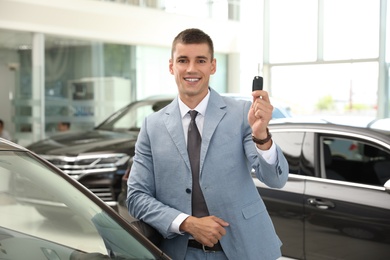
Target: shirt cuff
[[269, 155], [175, 225]]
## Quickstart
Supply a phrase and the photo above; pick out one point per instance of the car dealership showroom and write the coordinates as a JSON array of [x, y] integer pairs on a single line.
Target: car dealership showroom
[[78, 78]]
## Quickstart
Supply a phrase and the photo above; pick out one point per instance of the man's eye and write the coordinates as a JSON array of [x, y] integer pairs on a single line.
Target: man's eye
[[182, 61], [202, 61]]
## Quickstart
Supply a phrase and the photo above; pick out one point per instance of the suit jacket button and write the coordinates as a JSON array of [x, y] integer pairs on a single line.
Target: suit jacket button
[[188, 191]]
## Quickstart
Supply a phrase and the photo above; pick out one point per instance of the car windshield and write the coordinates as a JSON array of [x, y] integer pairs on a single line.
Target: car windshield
[[131, 117], [43, 216]]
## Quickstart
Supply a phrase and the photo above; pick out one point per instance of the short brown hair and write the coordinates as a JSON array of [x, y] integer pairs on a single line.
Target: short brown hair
[[193, 36]]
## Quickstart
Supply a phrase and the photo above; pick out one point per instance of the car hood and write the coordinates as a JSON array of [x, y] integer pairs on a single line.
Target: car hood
[[94, 141]]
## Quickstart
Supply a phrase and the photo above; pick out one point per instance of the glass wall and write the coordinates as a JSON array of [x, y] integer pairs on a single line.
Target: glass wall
[[333, 52], [78, 81], [85, 81], [323, 57], [328, 89], [13, 72]]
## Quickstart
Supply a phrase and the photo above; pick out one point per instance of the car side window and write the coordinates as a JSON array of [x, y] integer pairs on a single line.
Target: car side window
[[355, 161], [291, 150]]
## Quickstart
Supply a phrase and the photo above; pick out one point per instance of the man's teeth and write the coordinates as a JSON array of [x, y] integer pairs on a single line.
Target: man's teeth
[[192, 80]]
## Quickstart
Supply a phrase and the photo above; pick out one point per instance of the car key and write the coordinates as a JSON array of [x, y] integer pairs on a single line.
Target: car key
[[257, 83]]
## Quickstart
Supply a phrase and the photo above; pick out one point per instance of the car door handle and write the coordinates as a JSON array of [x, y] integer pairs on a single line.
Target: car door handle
[[320, 204]]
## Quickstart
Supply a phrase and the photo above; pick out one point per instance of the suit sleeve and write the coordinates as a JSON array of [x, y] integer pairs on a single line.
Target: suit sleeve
[[273, 175]]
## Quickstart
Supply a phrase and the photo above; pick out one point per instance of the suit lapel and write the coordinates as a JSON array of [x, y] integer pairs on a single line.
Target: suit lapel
[[173, 123], [214, 113]]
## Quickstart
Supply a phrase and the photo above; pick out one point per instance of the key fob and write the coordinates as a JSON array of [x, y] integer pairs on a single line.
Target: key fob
[[257, 83]]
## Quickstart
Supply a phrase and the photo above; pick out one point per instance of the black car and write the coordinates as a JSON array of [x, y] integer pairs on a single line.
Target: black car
[[98, 158], [336, 203]]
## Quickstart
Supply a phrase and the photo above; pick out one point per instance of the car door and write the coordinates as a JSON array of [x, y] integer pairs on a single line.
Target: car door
[[347, 207], [285, 205]]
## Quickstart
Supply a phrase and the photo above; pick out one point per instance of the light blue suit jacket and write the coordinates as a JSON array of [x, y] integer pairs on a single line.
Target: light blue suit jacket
[[159, 187]]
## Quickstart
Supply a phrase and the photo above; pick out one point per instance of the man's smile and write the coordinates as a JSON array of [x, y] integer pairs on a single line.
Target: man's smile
[[192, 79]]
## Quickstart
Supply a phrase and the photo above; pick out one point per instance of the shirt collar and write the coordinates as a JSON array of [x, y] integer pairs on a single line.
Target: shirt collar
[[201, 107]]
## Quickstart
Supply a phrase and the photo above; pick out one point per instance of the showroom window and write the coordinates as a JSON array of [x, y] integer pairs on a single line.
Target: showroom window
[[328, 51], [79, 81]]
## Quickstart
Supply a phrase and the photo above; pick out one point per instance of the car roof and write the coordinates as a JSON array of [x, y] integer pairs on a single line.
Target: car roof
[[342, 124]]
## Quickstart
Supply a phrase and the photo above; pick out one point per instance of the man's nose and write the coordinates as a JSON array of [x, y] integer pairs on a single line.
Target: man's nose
[[191, 66]]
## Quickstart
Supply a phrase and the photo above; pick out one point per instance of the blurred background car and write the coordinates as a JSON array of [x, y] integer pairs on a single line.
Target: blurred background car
[[337, 194], [280, 110], [98, 158], [46, 214]]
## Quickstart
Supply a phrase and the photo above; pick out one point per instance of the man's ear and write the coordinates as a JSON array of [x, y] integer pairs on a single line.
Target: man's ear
[[170, 66], [213, 66]]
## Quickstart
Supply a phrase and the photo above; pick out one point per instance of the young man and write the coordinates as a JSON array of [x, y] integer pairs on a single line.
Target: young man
[[226, 218]]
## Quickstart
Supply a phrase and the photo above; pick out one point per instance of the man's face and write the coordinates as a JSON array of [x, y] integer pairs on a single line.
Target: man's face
[[192, 66]]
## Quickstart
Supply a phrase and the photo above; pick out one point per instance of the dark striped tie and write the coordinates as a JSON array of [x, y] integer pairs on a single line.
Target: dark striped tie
[[194, 141]]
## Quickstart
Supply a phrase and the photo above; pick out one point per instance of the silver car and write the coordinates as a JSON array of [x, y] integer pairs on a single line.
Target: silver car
[[46, 214]]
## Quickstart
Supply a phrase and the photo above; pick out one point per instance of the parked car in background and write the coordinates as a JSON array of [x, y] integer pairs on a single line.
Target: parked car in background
[[336, 203], [46, 214], [98, 158], [280, 110]]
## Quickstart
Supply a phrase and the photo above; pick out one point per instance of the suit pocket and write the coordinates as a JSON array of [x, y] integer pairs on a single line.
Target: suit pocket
[[253, 209]]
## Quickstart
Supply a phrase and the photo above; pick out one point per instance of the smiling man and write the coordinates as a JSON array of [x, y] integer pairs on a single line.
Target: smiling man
[[191, 173]]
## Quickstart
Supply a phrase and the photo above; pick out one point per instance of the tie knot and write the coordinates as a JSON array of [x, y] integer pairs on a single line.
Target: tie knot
[[193, 114]]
